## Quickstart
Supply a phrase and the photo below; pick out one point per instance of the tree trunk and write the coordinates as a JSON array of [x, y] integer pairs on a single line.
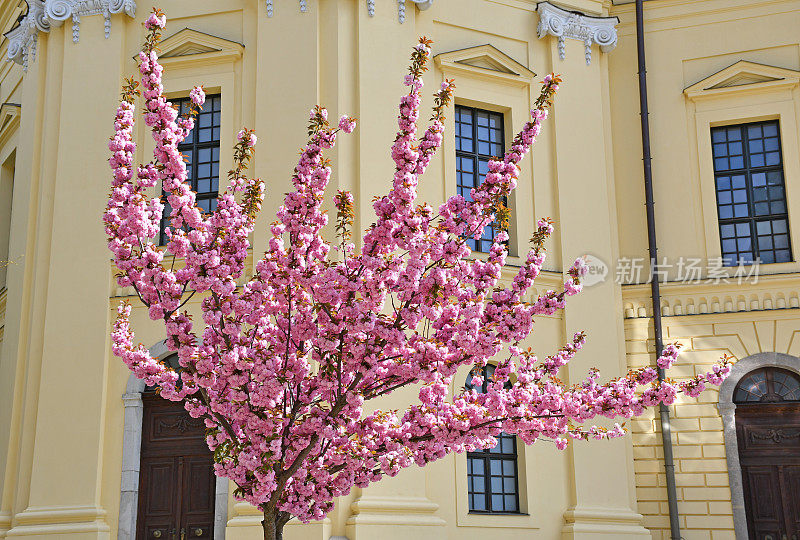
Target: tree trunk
[[273, 523]]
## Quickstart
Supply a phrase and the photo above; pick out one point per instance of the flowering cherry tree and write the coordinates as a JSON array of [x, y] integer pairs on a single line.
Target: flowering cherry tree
[[285, 363]]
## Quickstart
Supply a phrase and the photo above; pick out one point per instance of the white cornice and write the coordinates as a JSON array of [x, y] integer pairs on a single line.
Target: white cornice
[[22, 39], [401, 7], [729, 294], [43, 14], [563, 24], [60, 10]]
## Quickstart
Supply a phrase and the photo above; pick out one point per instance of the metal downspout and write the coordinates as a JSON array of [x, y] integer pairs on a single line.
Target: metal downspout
[[666, 431]]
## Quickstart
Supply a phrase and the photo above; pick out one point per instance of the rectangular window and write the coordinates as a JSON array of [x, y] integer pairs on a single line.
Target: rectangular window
[[201, 148], [492, 481], [492, 477], [479, 138], [751, 197]]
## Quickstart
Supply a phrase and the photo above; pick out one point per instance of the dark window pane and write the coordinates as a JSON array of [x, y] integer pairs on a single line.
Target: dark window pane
[[497, 503], [762, 209], [511, 503], [754, 131], [744, 244], [478, 484], [727, 231], [778, 207], [508, 445]]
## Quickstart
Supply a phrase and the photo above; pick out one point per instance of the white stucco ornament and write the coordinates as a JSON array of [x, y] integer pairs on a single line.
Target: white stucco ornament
[[563, 24], [60, 10], [401, 7], [22, 39], [44, 14]]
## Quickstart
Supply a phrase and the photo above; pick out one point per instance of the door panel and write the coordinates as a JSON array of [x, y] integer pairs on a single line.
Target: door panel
[[157, 498], [198, 510], [763, 501], [176, 480], [791, 499], [768, 436]]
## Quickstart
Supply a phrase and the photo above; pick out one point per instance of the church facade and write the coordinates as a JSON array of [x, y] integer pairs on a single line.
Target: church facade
[[89, 452]]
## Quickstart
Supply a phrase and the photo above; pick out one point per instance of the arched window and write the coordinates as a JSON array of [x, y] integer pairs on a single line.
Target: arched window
[[492, 477], [768, 385]]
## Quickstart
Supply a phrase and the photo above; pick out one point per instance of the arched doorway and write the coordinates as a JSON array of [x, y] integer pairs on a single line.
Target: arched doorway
[[760, 404], [168, 489]]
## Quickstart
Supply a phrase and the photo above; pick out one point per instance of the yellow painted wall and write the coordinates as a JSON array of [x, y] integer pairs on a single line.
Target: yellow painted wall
[[61, 410]]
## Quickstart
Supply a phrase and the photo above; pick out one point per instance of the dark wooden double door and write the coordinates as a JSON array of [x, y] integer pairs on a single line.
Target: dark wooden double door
[[769, 451], [176, 479]]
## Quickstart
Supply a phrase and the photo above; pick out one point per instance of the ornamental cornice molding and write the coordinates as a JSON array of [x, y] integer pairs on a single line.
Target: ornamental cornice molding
[[23, 38], [724, 295], [401, 7], [45, 14], [563, 24], [59, 11]]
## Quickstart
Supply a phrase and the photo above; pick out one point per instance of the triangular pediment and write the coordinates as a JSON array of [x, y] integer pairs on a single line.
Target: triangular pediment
[[8, 113], [743, 76], [9, 120], [190, 45], [485, 61]]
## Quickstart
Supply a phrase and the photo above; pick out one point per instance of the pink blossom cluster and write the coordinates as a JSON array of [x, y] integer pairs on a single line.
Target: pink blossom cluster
[[283, 365]]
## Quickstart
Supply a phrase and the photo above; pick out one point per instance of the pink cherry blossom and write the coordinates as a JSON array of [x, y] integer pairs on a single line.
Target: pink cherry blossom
[[282, 363], [198, 96]]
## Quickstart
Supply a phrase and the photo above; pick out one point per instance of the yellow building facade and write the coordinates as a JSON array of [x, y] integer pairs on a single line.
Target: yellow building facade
[[724, 93]]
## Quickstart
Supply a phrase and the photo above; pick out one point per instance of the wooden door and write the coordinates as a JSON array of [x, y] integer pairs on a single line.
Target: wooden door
[[769, 451], [176, 479]]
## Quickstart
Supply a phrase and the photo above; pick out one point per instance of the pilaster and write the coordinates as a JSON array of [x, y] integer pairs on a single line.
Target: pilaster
[[246, 525], [63, 450], [396, 508], [602, 484], [19, 295]]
